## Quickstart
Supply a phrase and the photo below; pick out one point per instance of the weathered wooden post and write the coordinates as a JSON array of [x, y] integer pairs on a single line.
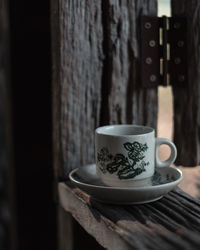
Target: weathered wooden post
[[187, 97], [96, 56], [96, 80]]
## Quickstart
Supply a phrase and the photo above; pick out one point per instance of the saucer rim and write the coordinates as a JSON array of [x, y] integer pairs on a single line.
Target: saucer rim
[[129, 202], [176, 182]]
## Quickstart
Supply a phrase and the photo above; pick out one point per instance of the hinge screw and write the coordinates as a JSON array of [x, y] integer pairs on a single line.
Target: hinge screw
[[148, 60], [180, 44], [147, 25], [181, 78], [152, 43], [177, 60], [177, 25], [153, 78]]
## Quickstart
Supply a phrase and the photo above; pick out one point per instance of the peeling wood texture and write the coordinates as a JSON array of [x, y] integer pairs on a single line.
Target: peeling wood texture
[[96, 56], [187, 98], [170, 223]]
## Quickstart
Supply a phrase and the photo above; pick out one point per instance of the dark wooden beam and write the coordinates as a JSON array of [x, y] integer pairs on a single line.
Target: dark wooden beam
[[187, 97]]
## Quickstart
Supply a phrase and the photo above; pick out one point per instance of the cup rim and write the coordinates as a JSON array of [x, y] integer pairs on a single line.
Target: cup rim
[[101, 130]]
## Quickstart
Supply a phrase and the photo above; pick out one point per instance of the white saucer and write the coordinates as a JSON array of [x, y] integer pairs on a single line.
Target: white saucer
[[163, 181]]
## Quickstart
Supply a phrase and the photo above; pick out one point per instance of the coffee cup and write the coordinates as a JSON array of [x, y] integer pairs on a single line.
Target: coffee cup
[[127, 155]]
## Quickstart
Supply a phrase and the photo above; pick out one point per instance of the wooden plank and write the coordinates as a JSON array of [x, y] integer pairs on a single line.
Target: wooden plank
[[90, 219], [171, 223], [77, 82], [96, 60], [123, 99], [186, 98]]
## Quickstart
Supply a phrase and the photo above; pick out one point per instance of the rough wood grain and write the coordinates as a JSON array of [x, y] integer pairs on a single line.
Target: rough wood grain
[[187, 98], [77, 99], [102, 229], [95, 58], [96, 74], [165, 224], [123, 99]]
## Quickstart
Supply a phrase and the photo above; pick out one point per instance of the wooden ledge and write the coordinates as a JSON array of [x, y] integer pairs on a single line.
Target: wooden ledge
[[170, 223]]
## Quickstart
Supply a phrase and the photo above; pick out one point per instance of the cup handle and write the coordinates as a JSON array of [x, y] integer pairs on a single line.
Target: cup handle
[[172, 157]]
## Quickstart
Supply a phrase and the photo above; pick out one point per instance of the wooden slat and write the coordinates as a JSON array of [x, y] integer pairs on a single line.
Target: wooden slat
[[123, 99], [96, 48], [164, 224], [77, 81], [90, 219], [186, 98]]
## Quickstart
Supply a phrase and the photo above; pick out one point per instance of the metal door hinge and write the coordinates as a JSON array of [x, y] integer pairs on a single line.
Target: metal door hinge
[[163, 51]]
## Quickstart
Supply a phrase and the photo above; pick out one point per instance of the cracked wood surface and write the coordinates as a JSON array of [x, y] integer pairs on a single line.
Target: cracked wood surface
[[170, 223]]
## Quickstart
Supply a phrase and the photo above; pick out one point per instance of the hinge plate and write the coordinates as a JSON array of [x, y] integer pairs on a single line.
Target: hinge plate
[[163, 51]]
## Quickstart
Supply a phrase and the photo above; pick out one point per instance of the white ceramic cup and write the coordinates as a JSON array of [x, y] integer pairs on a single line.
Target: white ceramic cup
[[126, 155]]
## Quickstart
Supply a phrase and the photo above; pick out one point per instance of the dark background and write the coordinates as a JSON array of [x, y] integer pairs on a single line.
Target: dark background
[[32, 123], [33, 207]]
